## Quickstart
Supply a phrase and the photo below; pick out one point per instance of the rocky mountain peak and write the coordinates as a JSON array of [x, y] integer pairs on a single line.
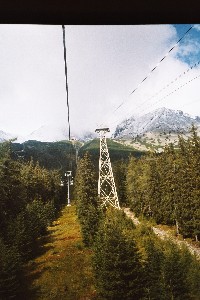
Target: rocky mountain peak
[[159, 120]]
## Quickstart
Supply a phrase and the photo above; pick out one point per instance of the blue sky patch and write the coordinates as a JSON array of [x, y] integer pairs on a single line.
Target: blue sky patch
[[189, 47]]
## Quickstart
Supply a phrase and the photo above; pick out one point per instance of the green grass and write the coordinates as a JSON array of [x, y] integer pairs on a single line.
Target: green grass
[[64, 269]]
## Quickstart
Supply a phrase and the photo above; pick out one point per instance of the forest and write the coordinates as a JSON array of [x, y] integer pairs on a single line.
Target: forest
[[31, 197], [166, 187], [128, 262]]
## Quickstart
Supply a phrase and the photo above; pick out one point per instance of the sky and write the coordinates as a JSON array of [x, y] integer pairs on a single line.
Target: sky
[[105, 64]]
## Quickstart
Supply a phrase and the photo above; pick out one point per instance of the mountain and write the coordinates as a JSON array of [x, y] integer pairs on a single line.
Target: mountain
[[50, 155], [152, 125], [117, 151], [86, 136], [55, 133], [4, 136], [47, 133], [162, 120]]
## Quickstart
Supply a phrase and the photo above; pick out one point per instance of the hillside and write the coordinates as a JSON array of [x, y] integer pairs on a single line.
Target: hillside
[[50, 155], [62, 155], [117, 151], [57, 248]]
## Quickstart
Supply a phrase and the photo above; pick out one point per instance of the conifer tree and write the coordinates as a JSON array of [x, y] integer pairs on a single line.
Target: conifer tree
[[137, 185], [153, 270], [10, 267], [119, 171], [88, 208], [153, 190], [13, 195], [167, 186], [171, 272], [194, 278], [116, 261], [189, 185], [175, 271]]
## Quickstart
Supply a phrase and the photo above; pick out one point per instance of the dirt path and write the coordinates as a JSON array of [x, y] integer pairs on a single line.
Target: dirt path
[[165, 235]]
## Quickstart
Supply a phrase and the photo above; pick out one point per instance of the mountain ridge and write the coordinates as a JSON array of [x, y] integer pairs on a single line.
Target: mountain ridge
[[159, 120], [5, 136]]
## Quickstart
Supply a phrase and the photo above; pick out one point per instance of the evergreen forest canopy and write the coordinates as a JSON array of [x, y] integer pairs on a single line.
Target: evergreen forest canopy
[[30, 198], [163, 187], [61, 155], [117, 151], [133, 263], [166, 187], [52, 156]]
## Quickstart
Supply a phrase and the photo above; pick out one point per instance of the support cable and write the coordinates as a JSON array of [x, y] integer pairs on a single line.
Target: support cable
[[174, 91], [162, 98], [123, 102], [67, 92], [169, 84], [162, 59]]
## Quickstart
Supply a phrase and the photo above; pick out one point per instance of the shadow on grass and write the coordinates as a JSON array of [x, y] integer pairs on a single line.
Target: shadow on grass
[[33, 270], [44, 244], [27, 291]]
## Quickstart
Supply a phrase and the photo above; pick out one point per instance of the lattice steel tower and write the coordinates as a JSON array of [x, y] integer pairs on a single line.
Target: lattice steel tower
[[106, 185]]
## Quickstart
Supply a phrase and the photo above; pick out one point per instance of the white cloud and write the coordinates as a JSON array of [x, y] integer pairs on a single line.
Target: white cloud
[[189, 47], [197, 27], [105, 63]]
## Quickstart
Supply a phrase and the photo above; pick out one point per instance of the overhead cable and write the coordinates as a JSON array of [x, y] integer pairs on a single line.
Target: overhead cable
[[162, 59], [174, 91], [122, 103], [169, 84], [163, 88], [159, 100], [67, 91]]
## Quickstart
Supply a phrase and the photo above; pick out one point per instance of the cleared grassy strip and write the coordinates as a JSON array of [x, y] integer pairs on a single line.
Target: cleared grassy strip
[[64, 270]]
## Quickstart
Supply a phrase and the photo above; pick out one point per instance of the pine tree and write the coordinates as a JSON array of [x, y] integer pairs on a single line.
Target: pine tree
[[10, 267], [194, 278], [188, 180], [153, 269], [137, 185], [153, 190], [88, 208], [116, 260], [13, 196], [119, 171], [175, 271], [167, 186], [194, 143]]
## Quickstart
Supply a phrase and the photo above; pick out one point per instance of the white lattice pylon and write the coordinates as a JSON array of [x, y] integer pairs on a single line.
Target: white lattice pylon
[[106, 185]]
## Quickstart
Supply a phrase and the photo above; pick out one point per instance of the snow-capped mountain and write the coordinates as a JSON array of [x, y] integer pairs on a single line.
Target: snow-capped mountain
[[87, 136], [55, 133], [4, 136], [47, 133], [160, 120]]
